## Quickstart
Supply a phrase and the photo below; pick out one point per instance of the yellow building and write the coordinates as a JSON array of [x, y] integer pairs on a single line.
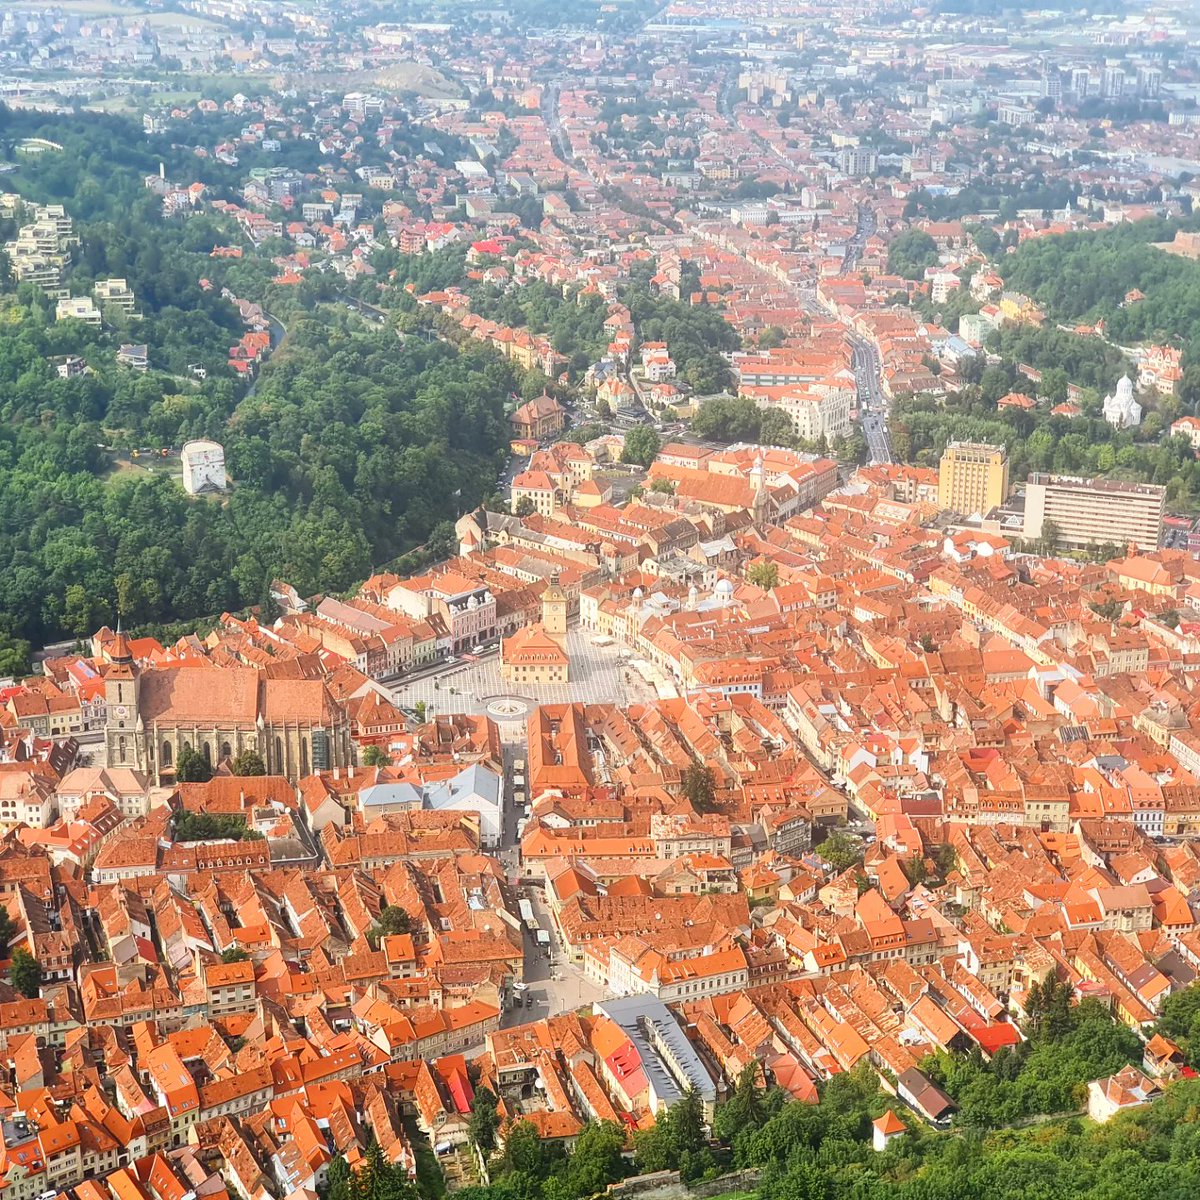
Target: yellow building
[[531, 655], [538, 653], [591, 494], [1019, 308], [972, 477]]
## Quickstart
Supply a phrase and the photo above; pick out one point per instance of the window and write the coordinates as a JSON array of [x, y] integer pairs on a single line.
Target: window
[[226, 750], [166, 754]]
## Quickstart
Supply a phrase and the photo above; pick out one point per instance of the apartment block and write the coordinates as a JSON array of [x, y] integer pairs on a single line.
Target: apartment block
[[78, 308], [814, 412], [1089, 512], [115, 292]]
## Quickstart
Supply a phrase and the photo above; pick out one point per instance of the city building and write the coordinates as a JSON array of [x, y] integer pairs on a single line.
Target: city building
[[537, 654], [1188, 427], [115, 292], [296, 725], [135, 355], [1149, 82], [1112, 83], [78, 308], [542, 417], [816, 412], [972, 477], [858, 160], [1088, 512], [1128, 1088]]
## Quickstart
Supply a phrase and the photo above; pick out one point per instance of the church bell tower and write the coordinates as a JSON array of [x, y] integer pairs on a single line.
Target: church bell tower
[[122, 729]]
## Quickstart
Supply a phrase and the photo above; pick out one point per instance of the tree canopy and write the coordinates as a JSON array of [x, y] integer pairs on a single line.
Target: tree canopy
[[192, 767], [249, 762], [25, 973], [911, 253], [353, 448], [642, 445], [202, 827]]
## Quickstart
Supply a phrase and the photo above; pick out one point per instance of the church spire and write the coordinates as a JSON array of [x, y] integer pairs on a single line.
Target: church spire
[[120, 651]]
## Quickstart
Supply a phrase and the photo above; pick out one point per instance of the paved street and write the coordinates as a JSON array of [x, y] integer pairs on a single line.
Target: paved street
[[555, 989], [872, 404]]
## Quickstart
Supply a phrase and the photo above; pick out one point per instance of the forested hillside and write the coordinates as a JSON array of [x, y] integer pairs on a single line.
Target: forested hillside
[[350, 451], [1086, 276]]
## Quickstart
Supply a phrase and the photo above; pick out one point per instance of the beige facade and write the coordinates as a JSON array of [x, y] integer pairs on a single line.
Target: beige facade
[[972, 477], [815, 413], [554, 611], [538, 653], [1089, 512]]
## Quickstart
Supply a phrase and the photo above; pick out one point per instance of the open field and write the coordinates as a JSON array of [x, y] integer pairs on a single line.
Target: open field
[[99, 8], [171, 20], [132, 103], [416, 77]]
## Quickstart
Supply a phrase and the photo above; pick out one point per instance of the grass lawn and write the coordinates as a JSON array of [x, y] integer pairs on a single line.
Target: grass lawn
[[416, 77], [171, 20]]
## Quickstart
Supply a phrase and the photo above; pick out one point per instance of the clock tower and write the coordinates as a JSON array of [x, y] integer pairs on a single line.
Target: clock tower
[[122, 729], [554, 611]]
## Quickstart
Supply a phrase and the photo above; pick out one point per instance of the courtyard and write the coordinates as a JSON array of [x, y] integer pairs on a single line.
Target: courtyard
[[598, 675]]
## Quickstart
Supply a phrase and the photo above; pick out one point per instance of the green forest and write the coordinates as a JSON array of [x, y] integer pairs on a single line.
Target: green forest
[[1088, 445], [1086, 276], [696, 334], [354, 446], [1039, 440], [574, 329], [349, 453], [1019, 1132]]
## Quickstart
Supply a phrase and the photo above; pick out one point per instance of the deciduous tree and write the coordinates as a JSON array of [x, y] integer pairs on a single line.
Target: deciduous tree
[[25, 973]]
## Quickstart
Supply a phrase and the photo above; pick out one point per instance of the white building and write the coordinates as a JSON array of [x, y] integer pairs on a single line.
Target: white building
[[659, 367], [817, 412], [78, 308], [1121, 410], [115, 292], [475, 789], [1128, 1088], [203, 467], [1188, 427]]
